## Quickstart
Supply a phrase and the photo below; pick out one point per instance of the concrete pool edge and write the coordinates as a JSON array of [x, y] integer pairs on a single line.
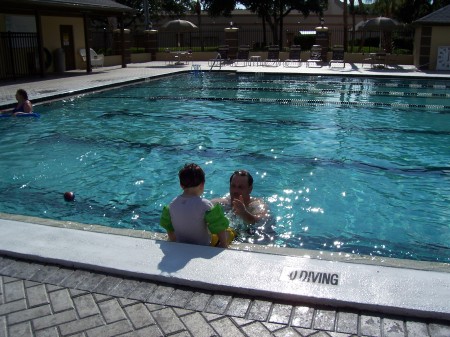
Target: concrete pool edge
[[377, 288], [267, 249]]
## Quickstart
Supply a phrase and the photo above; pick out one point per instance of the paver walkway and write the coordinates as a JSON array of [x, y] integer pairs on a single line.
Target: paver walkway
[[48, 300]]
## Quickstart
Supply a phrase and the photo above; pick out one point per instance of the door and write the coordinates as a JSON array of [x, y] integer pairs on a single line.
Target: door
[[66, 35]]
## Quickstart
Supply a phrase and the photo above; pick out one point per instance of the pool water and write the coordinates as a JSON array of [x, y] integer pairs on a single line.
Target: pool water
[[357, 165]]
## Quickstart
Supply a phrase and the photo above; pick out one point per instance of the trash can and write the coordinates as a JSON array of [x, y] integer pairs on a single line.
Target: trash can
[[59, 58]]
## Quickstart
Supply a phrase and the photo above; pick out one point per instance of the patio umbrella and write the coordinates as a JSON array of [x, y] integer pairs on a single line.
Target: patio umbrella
[[380, 24], [179, 26]]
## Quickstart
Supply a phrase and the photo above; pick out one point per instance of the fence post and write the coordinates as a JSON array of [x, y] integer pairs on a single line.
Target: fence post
[[231, 39], [323, 39], [151, 42], [11, 55], [117, 50]]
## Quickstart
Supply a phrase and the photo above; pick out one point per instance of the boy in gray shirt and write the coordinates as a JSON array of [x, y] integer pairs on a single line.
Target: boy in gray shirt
[[189, 218]]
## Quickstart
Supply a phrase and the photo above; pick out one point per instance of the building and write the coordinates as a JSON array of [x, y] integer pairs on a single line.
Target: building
[[31, 31], [432, 40]]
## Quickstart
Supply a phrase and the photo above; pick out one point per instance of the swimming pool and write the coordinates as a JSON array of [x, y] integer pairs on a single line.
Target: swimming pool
[[347, 164]]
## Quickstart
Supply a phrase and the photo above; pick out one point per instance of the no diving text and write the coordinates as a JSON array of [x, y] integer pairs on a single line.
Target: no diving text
[[314, 277]]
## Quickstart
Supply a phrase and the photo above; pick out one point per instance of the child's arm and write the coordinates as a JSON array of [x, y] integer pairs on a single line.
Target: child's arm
[[172, 236], [166, 223], [218, 224], [223, 239]]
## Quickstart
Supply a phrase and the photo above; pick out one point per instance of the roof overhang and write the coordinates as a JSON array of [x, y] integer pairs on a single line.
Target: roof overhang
[[65, 7], [429, 23]]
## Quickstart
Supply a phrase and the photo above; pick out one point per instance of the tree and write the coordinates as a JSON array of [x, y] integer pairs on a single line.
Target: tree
[[271, 12], [157, 9], [410, 11], [274, 11], [353, 11]]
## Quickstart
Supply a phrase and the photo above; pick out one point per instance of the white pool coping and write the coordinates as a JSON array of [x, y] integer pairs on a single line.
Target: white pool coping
[[386, 289]]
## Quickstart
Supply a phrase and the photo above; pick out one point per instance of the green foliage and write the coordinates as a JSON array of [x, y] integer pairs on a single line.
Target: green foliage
[[158, 8], [271, 11], [405, 11], [219, 7], [135, 50]]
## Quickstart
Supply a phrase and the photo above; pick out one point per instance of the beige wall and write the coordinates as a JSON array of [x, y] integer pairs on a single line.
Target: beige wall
[[50, 33], [440, 37]]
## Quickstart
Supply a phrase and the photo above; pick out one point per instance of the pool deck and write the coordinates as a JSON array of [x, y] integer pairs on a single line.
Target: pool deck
[[118, 283]]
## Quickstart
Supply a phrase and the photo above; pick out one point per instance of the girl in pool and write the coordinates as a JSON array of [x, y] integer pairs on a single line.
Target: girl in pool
[[23, 106]]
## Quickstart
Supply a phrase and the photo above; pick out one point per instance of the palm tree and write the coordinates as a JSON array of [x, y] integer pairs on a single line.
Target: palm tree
[[353, 12]]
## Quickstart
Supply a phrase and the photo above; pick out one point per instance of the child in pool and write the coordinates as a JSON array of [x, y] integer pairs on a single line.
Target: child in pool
[[192, 219], [23, 106]]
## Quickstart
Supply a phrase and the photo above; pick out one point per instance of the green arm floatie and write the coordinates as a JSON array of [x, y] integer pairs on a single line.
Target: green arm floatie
[[165, 221], [216, 220]]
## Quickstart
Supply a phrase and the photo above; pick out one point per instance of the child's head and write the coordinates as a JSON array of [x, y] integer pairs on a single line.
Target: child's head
[[191, 175], [22, 93]]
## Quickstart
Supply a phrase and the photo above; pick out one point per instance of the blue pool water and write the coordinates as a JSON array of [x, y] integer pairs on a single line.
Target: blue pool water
[[352, 165]]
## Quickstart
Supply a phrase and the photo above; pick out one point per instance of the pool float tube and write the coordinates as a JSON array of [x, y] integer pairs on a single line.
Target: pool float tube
[[31, 114]]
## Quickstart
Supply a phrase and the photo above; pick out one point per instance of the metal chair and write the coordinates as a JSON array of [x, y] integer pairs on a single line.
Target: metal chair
[[273, 56], [242, 55], [315, 56], [337, 56], [221, 58], [294, 58]]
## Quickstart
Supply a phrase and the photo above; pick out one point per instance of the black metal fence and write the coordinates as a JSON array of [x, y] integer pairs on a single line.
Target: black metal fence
[[19, 55], [210, 40]]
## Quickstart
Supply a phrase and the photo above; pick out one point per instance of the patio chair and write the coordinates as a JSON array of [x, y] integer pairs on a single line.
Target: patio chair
[[294, 59], [376, 60], [242, 56], [273, 56], [221, 58], [315, 56], [96, 59], [337, 56], [380, 60]]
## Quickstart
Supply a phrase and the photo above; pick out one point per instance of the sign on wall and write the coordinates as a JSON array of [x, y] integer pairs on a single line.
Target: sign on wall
[[443, 58]]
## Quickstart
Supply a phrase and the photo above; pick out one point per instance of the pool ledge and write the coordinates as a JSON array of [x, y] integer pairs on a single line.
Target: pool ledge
[[377, 288]]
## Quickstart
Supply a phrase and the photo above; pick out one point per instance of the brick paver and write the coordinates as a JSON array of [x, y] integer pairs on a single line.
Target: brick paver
[[47, 300], [30, 307]]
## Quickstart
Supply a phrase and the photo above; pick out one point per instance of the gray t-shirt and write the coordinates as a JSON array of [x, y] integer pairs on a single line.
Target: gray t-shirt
[[188, 219]]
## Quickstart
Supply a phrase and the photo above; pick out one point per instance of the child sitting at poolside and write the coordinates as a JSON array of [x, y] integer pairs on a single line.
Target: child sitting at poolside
[[192, 219]]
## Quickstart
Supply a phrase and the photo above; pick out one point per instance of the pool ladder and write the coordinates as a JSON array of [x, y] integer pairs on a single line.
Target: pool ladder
[[196, 69]]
